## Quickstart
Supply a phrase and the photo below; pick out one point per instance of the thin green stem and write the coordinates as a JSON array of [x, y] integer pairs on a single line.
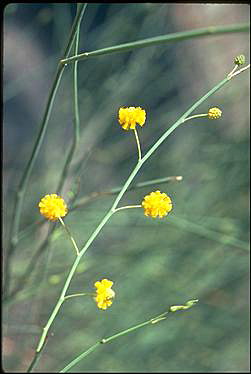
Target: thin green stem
[[84, 200], [76, 117], [138, 143], [46, 328], [231, 72], [35, 360], [231, 75], [27, 172], [127, 207], [178, 36], [70, 236], [152, 321], [79, 294], [195, 116], [84, 354]]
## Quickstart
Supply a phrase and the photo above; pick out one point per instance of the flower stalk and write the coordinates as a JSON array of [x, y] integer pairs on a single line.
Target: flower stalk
[[138, 143], [70, 236], [127, 207]]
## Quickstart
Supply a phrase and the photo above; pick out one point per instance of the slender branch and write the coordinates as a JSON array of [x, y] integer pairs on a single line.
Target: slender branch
[[113, 191], [178, 36], [26, 175], [76, 118], [152, 321]]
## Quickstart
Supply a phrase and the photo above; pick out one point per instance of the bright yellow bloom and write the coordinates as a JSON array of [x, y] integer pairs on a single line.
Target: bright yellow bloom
[[104, 294], [128, 117], [214, 113], [52, 207], [157, 204]]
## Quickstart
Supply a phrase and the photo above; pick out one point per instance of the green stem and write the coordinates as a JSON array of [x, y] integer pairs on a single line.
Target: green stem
[[138, 143], [231, 72], [26, 175], [127, 207], [79, 294], [211, 30], [74, 362], [152, 321], [231, 75], [195, 116], [46, 328], [76, 117], [35, 360], [70, 236]]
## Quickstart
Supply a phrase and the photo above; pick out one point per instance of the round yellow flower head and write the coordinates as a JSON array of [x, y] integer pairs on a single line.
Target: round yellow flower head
[[129, 117], [157, 204], [214, 113], [104, 293], [52, 207]]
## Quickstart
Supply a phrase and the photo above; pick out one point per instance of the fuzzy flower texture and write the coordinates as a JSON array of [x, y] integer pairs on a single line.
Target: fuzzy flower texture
[[52, 207], [157, 204], [129, 117], [104, 293], [214, 113]]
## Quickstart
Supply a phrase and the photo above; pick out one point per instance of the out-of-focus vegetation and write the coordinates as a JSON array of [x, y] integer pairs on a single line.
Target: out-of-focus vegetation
[[200, 250]]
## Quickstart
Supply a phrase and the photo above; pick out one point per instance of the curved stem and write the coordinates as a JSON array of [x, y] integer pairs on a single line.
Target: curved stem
[[79, 294], [70, 236], [138, 143], [235, 68], [195, 116], [127, 207]]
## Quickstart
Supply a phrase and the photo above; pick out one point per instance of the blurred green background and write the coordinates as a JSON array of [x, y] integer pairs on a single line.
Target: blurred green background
[[200, 250]]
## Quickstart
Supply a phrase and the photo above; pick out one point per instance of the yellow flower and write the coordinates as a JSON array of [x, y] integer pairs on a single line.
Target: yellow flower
[[214, 113], [157, 204], [52, 207], [104, 293], [128, 117]]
